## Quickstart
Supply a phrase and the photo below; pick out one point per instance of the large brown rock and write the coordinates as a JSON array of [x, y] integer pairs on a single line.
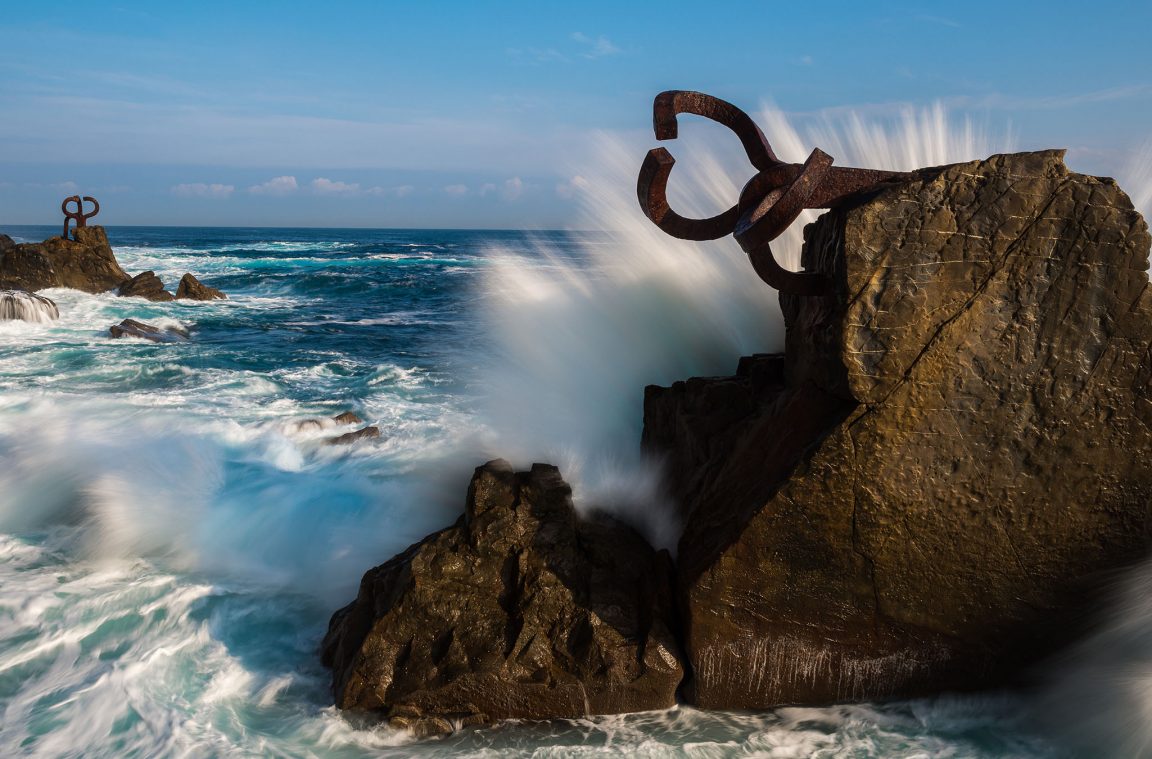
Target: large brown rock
[[193, 289], [957, 452], [145, 285], [85, 263], [521, 609]]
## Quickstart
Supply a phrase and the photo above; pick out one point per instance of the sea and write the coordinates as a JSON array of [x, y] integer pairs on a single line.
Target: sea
[[173, 540]]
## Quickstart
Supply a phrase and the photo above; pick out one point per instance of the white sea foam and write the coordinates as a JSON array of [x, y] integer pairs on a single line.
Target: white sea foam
[[578, 338]]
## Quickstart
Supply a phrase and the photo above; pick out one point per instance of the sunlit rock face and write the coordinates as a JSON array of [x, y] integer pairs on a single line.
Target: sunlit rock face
[[521, 609], [84, 263], [924, 493]]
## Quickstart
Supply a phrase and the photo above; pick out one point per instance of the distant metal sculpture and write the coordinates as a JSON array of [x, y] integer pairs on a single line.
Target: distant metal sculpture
[[769, 202], [78, 215]]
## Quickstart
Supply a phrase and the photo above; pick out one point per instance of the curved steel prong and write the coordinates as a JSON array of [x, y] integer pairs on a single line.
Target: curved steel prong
[[651, 189], [770, 216], [670, 103], [85, 216]]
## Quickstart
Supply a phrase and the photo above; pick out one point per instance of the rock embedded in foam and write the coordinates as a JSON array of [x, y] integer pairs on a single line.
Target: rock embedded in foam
[[191, 288], [347, 417], [25, 306], [145, 285], [348, 438], [522, 609], [133, 328], [957, 453], [84, 263]]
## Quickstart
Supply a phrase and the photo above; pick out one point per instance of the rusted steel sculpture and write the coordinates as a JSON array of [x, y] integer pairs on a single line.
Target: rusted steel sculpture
[[78, 215], [769, 202]]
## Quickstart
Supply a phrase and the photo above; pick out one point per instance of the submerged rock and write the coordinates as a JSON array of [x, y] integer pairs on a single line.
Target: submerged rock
[[193, 289], [520, 610], [953, 453], [84, 263], [351, 437], [26, 306], [145, 285], [133, 328]]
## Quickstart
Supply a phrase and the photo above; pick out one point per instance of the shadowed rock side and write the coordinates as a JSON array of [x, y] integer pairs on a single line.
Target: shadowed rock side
[[145, 285], [86, 263], [193, 289], [519, 610], [923, 495]]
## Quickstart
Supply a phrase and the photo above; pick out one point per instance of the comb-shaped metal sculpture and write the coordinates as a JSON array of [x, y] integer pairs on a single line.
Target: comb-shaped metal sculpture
[[769, 202], [78, 215]]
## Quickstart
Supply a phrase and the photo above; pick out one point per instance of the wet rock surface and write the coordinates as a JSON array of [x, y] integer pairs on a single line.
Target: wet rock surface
[[951, 457], [145, 285], [521, 609], [84, 263], [193, 289], [348, 438], [144, 331]]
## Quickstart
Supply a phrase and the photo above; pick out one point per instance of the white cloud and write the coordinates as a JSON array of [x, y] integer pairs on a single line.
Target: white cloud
[[202, 190], [323, 186], [487, 189], [456, 189], [595, 48], [513, 189], [275, 186], [68, 186], [569, 188]]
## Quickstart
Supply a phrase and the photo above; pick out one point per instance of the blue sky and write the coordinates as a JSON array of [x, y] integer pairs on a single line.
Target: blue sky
[[473, 114]]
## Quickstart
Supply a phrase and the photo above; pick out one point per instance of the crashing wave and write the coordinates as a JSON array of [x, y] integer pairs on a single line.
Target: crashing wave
[[26, 306]]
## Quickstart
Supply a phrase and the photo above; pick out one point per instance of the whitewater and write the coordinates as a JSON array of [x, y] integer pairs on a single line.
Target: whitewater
[[173, 540]]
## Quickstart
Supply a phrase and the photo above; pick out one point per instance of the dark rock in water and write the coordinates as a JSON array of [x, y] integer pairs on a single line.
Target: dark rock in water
[[85, 263], [351, 437], [957, 451], [145, 285], [26, 306], [133, 328], [194, 289], [519, 610], [347, 418]]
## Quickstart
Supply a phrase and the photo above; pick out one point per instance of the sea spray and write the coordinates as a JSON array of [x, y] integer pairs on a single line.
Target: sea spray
[[577, 340]]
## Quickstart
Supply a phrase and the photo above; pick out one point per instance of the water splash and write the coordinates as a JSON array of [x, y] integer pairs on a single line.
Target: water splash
[[577, 340], [26, 306]]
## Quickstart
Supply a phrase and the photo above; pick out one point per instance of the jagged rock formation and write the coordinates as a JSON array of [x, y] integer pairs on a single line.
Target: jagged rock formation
[[85, 263], [923, 492], [145, 285], [348, 438], [144, 331], [521, 609], [193, 289], [26, 306]]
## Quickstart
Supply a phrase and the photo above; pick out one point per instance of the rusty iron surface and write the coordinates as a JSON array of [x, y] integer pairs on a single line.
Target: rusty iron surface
[[78, 215], [769, 202]]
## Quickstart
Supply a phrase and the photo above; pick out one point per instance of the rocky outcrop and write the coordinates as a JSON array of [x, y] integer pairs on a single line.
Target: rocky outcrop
[[145, 285], [193, 289], [922, 494], [133, 328], [348, 438], [520, 610], [347, 417], [84, 263], [26, 306]]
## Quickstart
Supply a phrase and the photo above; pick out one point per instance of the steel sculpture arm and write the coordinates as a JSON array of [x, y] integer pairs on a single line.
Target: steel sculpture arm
[[769, 202]]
